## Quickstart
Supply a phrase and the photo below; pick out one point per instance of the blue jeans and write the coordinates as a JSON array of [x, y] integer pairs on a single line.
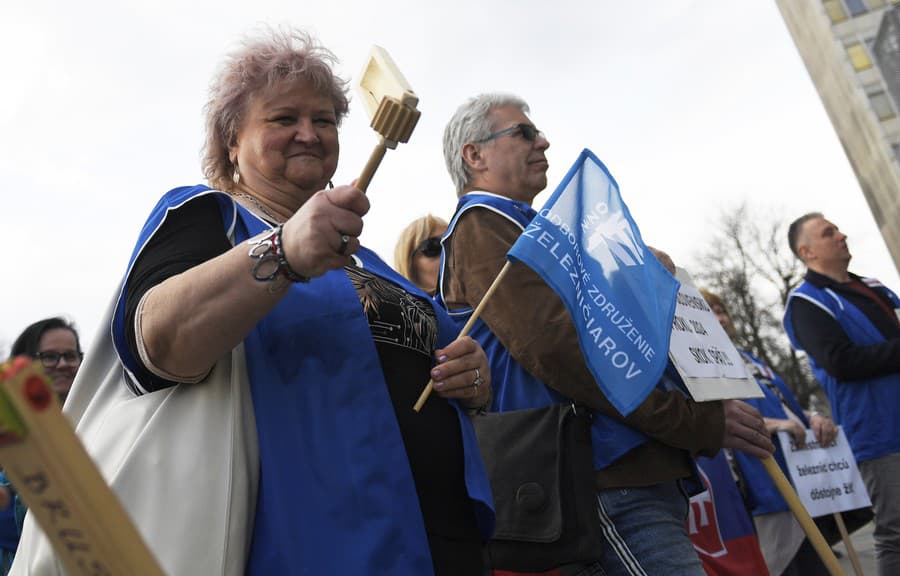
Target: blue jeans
[[644, 532]]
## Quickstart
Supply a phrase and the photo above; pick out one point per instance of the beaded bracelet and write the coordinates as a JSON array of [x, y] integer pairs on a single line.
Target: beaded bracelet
[[270, 259]]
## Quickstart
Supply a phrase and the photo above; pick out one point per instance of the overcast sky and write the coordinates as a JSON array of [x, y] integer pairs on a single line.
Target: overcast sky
[[694, 106]]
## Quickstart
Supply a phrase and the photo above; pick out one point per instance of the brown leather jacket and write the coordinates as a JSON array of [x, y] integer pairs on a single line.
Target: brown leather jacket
[[533, 324]]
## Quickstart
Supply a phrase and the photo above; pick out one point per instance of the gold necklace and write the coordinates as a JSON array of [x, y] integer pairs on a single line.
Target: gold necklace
[[269, 216]]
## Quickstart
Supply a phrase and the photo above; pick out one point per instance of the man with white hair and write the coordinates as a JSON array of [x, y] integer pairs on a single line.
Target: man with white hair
[[496, 158], [849, 327]]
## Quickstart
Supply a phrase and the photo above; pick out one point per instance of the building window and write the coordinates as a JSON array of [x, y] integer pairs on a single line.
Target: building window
[[856, 7], [835, 10], [881, 104], [859, 57]]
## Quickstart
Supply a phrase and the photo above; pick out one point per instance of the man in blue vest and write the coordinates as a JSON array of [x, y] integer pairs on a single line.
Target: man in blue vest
[[849, 327], [495, 156]]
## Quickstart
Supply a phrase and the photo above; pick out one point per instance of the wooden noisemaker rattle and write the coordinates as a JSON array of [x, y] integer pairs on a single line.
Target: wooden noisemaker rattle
[[390, 104]]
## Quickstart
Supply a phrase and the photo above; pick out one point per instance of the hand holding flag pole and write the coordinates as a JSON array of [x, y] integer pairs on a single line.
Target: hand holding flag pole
[[465, 330], [391, 105], [587, 248]]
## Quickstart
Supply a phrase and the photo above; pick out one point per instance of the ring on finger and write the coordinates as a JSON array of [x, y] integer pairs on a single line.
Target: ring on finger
[[478, 381], [345, 243]]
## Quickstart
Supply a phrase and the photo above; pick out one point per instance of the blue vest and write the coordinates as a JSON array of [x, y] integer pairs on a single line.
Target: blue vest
[[9, 531], [867, 409], [336, 494], [514, 387], [763, 495]]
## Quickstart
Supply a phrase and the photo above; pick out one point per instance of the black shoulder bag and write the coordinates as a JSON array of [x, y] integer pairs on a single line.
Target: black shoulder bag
[[541, 470]]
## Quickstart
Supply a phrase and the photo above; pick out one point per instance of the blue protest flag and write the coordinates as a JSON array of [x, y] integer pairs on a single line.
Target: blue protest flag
[[586, 246]]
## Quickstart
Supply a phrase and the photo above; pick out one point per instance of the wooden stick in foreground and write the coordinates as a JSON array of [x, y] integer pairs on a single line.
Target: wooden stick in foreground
[[854, 559], [465, 330], [88, 528], [806, 522]]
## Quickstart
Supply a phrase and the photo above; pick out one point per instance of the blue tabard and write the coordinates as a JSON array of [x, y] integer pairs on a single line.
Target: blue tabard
[[515, 388], [867, 409], [336, 494], [9, 531], [763, 495]]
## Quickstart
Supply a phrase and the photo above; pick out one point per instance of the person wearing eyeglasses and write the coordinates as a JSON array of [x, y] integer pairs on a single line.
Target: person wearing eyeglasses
[[274, 361], [497, 160], [55, 344], [417, 255]]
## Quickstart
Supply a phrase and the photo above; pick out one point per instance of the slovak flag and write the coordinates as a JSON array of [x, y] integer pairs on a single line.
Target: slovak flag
[[586, 246], [720, 526]]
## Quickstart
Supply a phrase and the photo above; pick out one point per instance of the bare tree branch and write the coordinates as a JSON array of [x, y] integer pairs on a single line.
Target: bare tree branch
[[749, 264]]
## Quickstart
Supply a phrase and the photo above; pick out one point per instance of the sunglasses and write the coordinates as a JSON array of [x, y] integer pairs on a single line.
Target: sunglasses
[[51, 359], [529, 132], [430, 247]]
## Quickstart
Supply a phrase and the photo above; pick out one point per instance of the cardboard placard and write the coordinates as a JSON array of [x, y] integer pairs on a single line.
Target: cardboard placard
[[826, 478], [706, 359]]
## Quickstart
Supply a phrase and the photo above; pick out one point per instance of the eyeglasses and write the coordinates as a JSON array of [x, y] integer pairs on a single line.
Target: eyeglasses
[[51, 359], [430, 247], [529, 132]]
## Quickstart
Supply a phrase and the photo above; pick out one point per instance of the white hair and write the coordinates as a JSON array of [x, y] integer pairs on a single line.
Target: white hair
[[470, 123]]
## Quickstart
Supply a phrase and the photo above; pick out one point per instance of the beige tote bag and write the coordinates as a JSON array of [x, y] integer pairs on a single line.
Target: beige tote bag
[[183, 461]]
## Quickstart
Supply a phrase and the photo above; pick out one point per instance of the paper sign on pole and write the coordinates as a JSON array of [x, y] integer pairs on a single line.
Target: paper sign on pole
[[826, 478], [709, 364]]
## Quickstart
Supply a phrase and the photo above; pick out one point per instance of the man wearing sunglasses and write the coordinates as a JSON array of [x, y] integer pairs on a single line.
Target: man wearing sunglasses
[[496, 158]]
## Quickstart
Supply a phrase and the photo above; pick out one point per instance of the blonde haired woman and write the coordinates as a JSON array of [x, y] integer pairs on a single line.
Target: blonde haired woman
[[418, 252], [262, 272]]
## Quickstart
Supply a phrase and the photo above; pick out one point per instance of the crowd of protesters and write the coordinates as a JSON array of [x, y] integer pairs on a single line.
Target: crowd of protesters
[[251, 304]]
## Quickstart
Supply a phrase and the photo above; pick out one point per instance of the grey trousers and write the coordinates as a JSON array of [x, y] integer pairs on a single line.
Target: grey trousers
[[882, 478]]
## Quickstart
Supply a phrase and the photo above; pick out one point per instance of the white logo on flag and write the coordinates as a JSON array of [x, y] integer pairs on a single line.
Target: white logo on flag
[[613, 243]]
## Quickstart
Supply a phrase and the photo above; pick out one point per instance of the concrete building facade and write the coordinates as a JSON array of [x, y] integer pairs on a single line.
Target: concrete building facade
[[851, 49]]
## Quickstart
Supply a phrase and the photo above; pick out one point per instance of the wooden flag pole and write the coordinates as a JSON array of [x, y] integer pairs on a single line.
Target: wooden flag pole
[[465, 330], [90, 531], [812, 531], [845, 536]]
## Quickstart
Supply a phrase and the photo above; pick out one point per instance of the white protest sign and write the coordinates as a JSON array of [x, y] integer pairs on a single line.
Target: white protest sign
[[826, 478], [709, 364]]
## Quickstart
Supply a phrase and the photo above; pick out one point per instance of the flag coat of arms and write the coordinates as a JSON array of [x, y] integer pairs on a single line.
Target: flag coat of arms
[[720, 526], [586, 246]]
